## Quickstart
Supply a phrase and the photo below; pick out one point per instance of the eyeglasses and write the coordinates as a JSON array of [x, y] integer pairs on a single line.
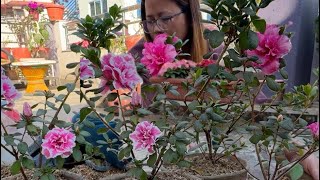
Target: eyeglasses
[[162, 23]]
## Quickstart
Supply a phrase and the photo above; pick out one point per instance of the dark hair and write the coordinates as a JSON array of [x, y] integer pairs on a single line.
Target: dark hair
[[195, 35]]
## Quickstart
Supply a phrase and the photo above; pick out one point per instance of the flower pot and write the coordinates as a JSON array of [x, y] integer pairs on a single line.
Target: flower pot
[[34, 15], [196, 170], [55, 12], [183, 91], [19, 53], [130, 41], [3, 54]]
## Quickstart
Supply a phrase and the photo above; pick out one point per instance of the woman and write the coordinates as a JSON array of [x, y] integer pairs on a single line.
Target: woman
[[182, 17]]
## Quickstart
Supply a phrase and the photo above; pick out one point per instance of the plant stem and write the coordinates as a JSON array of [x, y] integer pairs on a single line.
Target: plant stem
[[308, 153], [5, 148], [13, 152], [260, 162], [272, 151], [55, 117], [244, 167], [101, 118], [275, 171], [209, 142], [124, 120], [159, 160]]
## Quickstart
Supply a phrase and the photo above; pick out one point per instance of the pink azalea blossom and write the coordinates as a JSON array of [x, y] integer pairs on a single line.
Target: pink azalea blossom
[[12, 114], [145, 136], [121, 70], [27, 111], [8, 91], [85, 44], [58, 142], [136, 99], [161, 38], [206, 62], [86, 71], [314, 128], [157, 53], [271, 48], [176, 65]]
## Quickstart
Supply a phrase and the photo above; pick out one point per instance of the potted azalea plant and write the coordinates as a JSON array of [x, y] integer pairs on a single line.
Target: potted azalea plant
[[34, 10]]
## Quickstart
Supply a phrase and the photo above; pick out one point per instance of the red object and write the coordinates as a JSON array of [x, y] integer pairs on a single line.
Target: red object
[[21, 53], [130, 41], [35, 15], [55, 11], [3, 54]]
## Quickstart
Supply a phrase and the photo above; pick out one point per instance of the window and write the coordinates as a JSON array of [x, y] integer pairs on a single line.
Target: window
[[98, 7], [138, 10]]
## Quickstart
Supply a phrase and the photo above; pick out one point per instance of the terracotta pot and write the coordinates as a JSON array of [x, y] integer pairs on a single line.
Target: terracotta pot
[[20, 53], [34, 15], [183, 91], [55, 12], [130, 41]]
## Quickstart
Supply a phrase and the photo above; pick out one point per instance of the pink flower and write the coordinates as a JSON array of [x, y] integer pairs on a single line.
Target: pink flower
[[187, 64], [27, 111], [121, 70], [12, 114], [58, 142], [86, 71], [314, 128], [8, 91], [136, 99], [271, 48], [85, 44], [206, 62], [161, 38], [145, 136], [157, 53]]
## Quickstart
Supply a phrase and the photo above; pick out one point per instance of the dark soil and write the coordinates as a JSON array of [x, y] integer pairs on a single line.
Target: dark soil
[[203, 167], [82, 170], [167, 176]]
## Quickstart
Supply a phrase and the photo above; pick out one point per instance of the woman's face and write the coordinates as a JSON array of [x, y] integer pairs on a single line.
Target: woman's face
[[164, 9]]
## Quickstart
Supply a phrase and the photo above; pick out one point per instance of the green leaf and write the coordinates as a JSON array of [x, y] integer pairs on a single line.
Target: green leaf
[[27, 163], [287, 124], [70, 87], [15, 167], [181, 148], [109, 117], [125, 152], [272, 84], [112, 96], [22, 147], [60, 88], [59, 162], [248, 40], [84, 112], [213, 70], [77, 155], [102, 130], [80, 139], [9, 140], [169, 156], [32, 128], [51, 105], [255, 138], [215, 37], [184, 163], [284, 73], [72, 65], [260, 25], [41, 112], [296, 172], [144, 111], [138, 173], [66, 108], [152, 159], [85, 133]]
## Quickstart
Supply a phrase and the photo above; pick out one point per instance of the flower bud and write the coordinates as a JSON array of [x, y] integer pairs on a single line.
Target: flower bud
[[136, 99], [280, 118], [27, 111]]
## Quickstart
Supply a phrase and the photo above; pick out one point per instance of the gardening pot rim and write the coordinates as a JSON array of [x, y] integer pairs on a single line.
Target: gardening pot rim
[[53, 6]]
